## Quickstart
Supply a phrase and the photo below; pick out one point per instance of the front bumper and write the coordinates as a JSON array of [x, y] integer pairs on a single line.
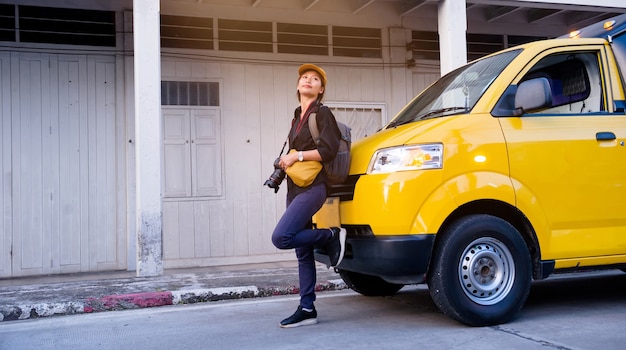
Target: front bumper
[[400, 259]]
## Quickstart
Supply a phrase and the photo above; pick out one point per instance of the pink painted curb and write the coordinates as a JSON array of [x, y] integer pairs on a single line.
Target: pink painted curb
[[128, 301]]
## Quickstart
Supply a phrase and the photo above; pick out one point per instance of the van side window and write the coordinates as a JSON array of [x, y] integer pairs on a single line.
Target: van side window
[[574, 80]]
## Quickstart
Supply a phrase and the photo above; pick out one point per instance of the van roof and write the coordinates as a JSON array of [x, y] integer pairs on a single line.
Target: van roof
[[610, 27]]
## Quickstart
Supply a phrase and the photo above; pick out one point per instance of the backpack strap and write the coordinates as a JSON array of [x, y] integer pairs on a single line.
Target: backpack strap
[[313, 128]]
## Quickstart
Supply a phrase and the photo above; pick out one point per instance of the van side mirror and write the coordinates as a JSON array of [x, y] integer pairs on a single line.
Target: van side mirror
[[532, 95]]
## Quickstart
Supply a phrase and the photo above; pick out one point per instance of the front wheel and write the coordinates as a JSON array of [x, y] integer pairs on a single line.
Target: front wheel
[[481, 271]]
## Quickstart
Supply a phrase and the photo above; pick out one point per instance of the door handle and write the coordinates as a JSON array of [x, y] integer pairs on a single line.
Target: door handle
[[605, 136]]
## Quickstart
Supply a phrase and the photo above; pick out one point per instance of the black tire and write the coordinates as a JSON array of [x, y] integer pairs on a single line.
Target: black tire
[[481, 271], [368, 285]]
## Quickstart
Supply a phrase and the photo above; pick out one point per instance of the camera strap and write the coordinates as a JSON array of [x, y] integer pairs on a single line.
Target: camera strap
[[287, 140], [284, 145]]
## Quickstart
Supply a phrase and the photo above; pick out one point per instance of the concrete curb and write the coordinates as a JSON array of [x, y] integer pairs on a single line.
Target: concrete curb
[[151, 299]]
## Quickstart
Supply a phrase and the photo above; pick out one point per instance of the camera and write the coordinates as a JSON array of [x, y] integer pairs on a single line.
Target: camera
[[277, 176]]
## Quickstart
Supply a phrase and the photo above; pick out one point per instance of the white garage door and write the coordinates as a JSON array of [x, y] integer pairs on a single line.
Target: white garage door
[[59, 160]]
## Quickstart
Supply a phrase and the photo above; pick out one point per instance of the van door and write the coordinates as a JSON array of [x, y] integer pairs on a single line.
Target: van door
[[569, 160]]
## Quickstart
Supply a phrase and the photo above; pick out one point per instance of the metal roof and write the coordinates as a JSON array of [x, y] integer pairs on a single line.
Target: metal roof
[[574, 14]]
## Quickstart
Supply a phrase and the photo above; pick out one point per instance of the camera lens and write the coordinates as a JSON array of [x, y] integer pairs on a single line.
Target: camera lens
[[276, 178]]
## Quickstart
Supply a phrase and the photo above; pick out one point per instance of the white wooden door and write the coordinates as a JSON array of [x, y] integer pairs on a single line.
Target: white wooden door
[[64, 181], [192, 151], [176, 153], [32, 232], [5, 166], [206, 153], [192, 182]]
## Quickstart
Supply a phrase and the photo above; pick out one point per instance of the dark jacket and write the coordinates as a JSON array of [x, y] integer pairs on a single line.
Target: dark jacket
[[303, 141]]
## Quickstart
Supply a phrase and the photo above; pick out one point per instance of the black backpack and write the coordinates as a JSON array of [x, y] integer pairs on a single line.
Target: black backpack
[[338, 168]]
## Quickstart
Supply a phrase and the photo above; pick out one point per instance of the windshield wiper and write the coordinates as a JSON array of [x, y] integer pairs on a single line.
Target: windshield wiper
[[439, 111], [396, 123]]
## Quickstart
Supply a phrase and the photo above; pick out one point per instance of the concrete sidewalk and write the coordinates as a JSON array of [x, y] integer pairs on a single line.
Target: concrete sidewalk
[[32, 297]]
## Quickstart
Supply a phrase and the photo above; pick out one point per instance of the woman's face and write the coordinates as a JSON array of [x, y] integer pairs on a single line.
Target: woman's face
[[310, 84]]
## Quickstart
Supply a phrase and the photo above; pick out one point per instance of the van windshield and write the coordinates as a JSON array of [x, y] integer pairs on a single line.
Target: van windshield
[[456, 92]]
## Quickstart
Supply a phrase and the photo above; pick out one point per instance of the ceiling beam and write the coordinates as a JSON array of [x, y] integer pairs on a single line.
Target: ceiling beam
[[496, 12], [536, 15], [361, 4], [308, 4], [408, 6]]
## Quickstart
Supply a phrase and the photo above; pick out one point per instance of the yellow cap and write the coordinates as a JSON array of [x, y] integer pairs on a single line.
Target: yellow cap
[[311, 67]]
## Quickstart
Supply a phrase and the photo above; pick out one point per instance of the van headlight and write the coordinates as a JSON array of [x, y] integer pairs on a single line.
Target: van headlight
[[403, 158]]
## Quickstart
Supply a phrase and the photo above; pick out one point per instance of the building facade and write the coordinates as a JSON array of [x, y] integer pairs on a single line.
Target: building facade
[[102, 126]]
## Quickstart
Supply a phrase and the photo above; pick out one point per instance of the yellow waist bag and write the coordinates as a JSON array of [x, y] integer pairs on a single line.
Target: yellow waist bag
[[303, 173]]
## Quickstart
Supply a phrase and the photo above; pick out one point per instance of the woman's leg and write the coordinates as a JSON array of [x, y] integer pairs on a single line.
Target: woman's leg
[[293, 231], [307, 276]]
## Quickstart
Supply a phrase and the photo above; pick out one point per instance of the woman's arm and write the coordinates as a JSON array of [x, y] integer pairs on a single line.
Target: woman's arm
[[288, 159], [330, 135]]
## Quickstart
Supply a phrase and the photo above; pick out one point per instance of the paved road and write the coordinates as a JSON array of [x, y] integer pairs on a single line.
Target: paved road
[[564, 312]]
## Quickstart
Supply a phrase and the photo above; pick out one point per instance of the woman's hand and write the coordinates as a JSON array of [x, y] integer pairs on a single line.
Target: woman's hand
[[287, 160]]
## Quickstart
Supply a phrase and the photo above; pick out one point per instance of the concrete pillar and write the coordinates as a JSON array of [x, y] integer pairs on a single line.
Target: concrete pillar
[[400, 83], [452, 18], [147, 68]]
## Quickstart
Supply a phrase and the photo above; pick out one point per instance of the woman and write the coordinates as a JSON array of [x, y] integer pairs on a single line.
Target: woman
[[294, 229]]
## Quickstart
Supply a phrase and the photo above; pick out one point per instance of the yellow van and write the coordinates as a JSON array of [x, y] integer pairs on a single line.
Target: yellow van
[[503, 171]]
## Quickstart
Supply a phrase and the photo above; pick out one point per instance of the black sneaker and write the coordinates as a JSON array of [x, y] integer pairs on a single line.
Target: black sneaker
[[336, 246], [300, 318]]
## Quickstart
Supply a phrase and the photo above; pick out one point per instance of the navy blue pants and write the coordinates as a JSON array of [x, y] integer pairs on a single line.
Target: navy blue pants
[[294, 230]]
